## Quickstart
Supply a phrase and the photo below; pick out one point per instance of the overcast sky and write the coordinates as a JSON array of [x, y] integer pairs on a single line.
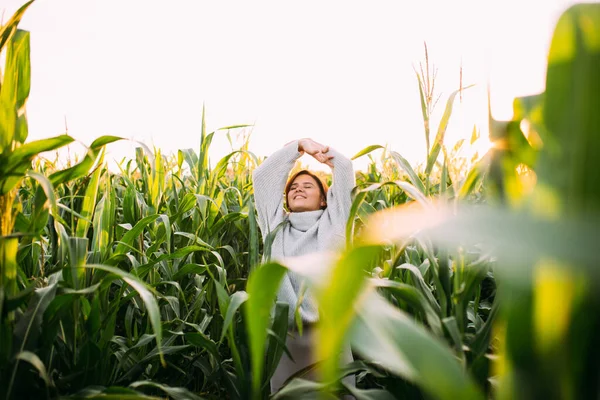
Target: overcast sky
[[340, 72]]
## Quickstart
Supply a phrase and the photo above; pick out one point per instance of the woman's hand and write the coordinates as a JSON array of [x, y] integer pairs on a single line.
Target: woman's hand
[[315, 149]]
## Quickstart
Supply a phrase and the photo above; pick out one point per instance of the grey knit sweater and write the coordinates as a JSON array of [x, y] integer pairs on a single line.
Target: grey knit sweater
[[303, 232]]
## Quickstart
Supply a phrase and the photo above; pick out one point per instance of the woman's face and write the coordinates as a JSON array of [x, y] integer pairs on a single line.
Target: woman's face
[[304, 195]]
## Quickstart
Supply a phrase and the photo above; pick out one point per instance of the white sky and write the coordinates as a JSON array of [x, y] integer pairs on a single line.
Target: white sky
[[340, 72]]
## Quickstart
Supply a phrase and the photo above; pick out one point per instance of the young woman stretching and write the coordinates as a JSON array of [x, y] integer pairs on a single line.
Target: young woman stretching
[[315, 221]]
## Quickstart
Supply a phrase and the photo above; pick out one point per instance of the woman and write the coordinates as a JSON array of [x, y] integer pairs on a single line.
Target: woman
[[316, 221]]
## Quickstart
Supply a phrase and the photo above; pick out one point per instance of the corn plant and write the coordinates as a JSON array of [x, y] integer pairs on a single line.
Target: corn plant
[[27, 294], [134, 283], [147, 283], [548, 352], [448, 293], [542, 240]]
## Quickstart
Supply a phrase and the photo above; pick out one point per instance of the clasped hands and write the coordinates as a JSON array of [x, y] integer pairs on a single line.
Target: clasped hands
[[317, 150]]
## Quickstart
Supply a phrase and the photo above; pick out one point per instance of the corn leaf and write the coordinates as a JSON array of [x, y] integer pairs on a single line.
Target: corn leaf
[[24, 153], [369, 394], [237, 299], [441, 132], [111, 393], [424, 112], [35, 361], [299, 388], [89, 200], [82, 168], [48, 191], [10, 27], [16, 164], [253, 256], [202, 341], [413, 192], [127, 240], [391, 339], [276, 341], [415, 298], [412, 175], [367, 150], [104, 221], [29, 326], [338, 300], [146, 296], [472, 181], [16, 83], [262, 288], [356, 202], [176, 393], [570, 111]]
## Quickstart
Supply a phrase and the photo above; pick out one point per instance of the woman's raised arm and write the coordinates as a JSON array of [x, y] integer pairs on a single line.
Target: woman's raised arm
[[269, 180], [339, 196]]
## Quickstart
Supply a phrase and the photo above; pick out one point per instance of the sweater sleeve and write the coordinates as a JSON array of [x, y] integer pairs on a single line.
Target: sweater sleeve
[[269, 181], [339, 196]]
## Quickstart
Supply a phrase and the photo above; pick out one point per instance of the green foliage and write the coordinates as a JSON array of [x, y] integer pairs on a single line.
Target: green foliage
[[548, 346], [147, 283]]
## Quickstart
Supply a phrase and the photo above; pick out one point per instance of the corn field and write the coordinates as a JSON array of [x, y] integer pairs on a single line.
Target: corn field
[[460, 279]]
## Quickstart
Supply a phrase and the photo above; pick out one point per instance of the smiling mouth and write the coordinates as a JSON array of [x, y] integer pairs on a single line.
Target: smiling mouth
[[299, 196]]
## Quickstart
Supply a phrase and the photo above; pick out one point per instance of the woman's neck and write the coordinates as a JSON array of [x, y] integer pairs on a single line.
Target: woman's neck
[[304, 220]]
